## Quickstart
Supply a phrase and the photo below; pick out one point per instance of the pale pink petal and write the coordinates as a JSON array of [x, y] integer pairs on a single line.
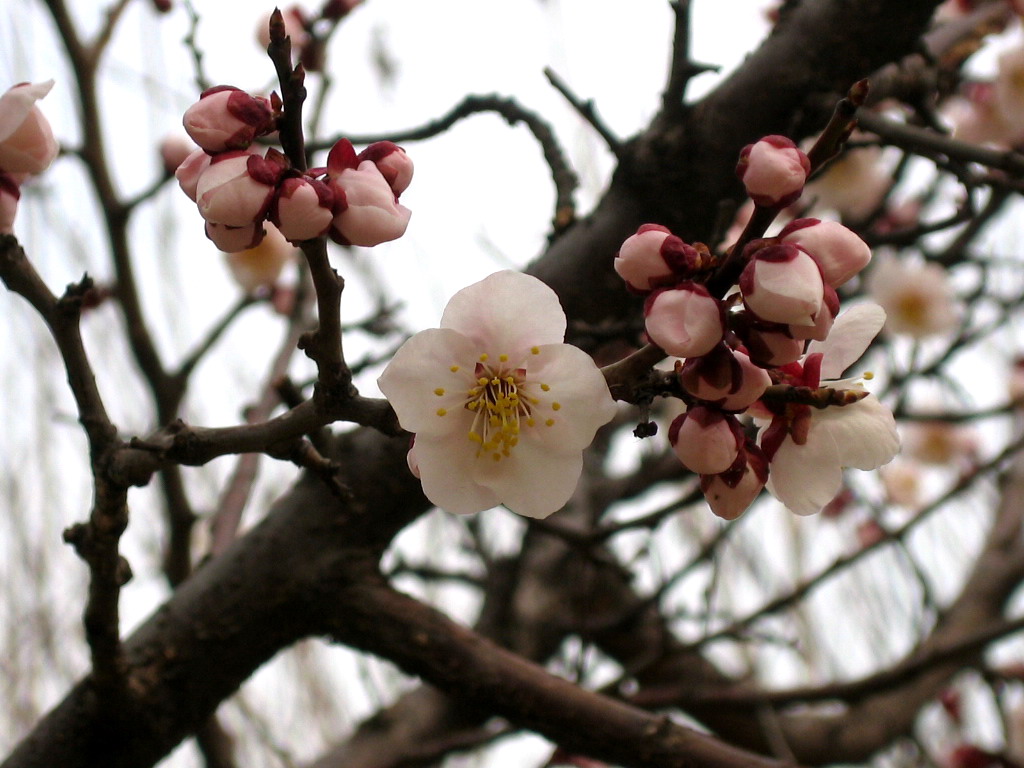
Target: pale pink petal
[[16, 104], [533, 481], [850, 336], [507, 313], [864, 433], [578, 388], [421, 369], [447, 470], [806, 477]]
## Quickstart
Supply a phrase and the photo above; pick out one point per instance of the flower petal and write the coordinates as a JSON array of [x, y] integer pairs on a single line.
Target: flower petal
[[806, 477], [507, 313], [849, 338], [533, 481], [447, 471], [16, 104], [578, 389], [420, 369], [864, 433]]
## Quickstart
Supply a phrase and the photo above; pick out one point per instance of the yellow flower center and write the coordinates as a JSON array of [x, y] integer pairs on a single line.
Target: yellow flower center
[[501, 402]]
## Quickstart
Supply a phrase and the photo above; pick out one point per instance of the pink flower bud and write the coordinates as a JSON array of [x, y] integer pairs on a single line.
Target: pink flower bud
[[227, 118], [392, 162], [367, 212], [189, 171], [9, 196], [175, 150], [685, 321], [724, 377], [654, 258], [839, 251], [303, 208], [705, 440], [260, 266], [782, 284], [823, 320], [238, 187], [26, 139], [774, 171], [232, 239], [730, 493], [769, 344]]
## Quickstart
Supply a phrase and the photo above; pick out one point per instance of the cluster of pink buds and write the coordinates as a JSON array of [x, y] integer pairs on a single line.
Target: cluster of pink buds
[[354, 199], [736, 347], [27, 146]]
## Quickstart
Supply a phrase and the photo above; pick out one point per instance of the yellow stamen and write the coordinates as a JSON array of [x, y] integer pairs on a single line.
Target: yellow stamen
[[454, 369], [549, 423], [439, 392], [441, 411], [503, 358], [534, 350], [556, 406], [545, 387]]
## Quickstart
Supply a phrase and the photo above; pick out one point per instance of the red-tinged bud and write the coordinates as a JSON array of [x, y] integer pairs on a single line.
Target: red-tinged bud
[[175, 150], [685, 321], [655, 258], [341, 157], [303, 208], [768, 344], [367, 212], [232, 239], [839, 251], [782, 284], [724, 377], [706, 440], [823, 320], [773, 171], [338, 9], [950, 700], [392, 162], [9, 196], [162, 6], [970, 756], [238, 187], [227, 118], [26, 139], [730, 493]]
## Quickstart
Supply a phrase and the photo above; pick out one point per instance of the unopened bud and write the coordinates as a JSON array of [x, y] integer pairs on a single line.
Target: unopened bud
[[773, 171]]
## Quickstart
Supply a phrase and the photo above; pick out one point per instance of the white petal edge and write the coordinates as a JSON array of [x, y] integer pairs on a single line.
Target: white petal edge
[[806, 477], [447, 474], [864, 433], [533, 481], [17, 102], [423, 364], [507, 312], [850, 336]]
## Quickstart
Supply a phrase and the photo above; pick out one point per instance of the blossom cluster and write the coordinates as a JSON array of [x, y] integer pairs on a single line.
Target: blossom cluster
[[27, 146], [781, 326], [354, 199]]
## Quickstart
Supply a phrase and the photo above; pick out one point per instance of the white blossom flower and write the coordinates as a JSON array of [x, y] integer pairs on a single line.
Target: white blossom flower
[[806, 475], [917, 298], [500, 407]]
